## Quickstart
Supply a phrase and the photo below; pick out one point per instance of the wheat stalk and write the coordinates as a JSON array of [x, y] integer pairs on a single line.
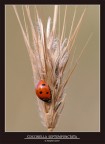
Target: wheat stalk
[[49, 59]]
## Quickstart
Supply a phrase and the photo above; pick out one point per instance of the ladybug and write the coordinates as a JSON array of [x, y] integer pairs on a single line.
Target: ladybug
[[43, 91]]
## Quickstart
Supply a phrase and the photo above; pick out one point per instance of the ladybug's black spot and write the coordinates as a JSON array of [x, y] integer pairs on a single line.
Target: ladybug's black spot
[[47, 92], [40, 92], [43, 84]]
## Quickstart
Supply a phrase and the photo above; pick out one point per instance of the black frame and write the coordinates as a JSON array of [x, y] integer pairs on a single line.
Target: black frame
[[18, 137]]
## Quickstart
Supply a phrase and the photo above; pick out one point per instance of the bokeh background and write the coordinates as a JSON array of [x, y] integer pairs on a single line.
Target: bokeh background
[[81, 112]]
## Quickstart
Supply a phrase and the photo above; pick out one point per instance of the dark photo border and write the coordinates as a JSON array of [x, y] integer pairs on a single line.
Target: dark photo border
[[85, 137]]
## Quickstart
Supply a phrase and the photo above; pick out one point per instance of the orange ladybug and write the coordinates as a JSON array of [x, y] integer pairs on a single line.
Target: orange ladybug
[[43, 91]]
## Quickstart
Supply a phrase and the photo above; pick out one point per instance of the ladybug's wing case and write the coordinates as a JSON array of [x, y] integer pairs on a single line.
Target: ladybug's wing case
[[43, 91]]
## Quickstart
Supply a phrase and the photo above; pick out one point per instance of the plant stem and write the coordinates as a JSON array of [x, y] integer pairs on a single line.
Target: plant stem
[[50, 129]]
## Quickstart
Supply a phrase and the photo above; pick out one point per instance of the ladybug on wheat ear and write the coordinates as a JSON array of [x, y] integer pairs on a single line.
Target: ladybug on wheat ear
[[43, 91]]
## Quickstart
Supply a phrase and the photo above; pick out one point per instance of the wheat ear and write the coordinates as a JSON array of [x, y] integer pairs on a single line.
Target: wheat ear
[[49, 59]]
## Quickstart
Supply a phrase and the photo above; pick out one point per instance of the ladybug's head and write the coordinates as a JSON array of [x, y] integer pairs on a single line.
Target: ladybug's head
[[46, 100]]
